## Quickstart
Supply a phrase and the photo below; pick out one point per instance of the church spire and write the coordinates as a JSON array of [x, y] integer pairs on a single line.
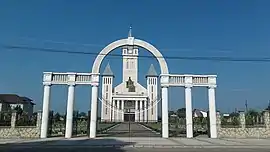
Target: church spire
[[130, 32], [108, 71], [151, 72]]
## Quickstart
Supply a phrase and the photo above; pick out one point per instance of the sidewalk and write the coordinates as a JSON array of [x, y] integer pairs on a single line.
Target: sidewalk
[[142, 142]]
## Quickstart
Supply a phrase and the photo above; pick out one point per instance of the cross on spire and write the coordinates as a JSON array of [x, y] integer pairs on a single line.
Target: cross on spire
[[130, 32]]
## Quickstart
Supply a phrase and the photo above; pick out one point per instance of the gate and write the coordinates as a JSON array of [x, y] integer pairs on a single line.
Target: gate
[[56, 125], [200, 126], [80, 123], [177, 126]]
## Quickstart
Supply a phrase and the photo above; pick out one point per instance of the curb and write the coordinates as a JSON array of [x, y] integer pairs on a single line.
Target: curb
[[143, 146]]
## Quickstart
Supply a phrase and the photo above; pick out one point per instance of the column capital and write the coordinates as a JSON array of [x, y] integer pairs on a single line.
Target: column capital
[[212, 86], [188, 86], [71, 78], [47, 83], [95, 79], [47, 78], [212, 80], [165, 86], [164, 80]]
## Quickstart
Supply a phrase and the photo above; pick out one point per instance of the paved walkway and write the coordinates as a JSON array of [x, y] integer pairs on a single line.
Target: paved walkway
[[140, 142], [130, 130]]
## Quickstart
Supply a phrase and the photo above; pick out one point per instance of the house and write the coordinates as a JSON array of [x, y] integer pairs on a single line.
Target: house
[[199, 113], [10, 101]]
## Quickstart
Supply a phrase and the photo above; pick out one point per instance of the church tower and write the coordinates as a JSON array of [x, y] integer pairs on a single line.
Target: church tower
[[152, 94], [130, 62], [107, 89]]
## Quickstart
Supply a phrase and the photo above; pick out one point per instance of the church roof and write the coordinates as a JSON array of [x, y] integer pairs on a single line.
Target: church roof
[[108, 71], [152, 71]]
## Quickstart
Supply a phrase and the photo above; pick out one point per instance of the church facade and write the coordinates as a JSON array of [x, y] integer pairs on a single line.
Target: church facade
[[129, 100]]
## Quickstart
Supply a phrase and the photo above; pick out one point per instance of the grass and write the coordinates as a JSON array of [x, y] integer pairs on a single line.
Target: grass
[[154, 126], [104, 126]]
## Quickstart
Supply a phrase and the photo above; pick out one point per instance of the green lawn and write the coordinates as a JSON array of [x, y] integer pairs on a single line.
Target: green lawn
[[155, 126], [104, 126]]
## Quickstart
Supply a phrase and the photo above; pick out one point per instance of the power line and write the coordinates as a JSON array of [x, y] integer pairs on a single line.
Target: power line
[[197, 58], [101, 46]]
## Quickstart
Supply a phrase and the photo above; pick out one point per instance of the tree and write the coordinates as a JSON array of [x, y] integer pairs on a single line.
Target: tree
[[82, 114], [251, 117], [268, 107], [171, 113], [234, 114], [57, 117], [181, 113], [252, 113], [18, 109]]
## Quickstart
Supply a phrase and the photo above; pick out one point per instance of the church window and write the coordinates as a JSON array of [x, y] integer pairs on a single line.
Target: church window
[[107, 88], [127, 66], [152, 88]]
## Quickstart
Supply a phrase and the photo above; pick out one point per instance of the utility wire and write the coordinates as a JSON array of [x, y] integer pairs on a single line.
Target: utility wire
[[197, 58]]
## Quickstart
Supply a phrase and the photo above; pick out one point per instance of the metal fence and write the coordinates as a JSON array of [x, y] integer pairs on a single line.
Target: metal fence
[[230, 122], [56, 125], [200, 125], [26, 120], [254, 121], [5, 118]]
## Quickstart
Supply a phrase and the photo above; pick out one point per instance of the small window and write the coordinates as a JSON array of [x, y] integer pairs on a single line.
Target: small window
[[106, 97], [127, 66]]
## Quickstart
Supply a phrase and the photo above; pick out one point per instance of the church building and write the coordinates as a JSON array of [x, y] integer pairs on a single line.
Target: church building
[[129, 101]]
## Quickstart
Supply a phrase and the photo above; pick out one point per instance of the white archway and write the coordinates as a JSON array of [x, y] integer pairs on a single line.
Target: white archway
[[164, 80], [130, 41], [71, 79]]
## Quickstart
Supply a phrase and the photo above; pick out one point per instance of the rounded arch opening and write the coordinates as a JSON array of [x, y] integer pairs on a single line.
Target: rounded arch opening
[[136, 42]]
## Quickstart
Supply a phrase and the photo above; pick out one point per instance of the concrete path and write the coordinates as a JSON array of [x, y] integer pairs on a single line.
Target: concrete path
[[130, 130]]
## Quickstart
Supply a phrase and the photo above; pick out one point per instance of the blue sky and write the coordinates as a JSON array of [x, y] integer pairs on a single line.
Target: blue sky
[[177, 28]]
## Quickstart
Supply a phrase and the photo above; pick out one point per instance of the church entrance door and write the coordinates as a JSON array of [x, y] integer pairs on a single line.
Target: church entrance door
[[129, 117]]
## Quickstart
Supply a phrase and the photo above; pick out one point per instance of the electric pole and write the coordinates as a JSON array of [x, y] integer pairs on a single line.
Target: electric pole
[[246, 105]]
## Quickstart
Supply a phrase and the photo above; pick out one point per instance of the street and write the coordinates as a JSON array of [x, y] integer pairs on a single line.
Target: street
[[125, 149]]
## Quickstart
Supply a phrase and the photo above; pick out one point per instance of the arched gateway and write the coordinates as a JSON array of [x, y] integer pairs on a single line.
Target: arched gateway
[[166, 80]]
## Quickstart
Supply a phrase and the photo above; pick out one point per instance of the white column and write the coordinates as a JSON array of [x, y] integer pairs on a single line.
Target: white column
[[145, 110], [94, 102], [212, 112], [165, 125], [118, 111], [122, 114], [113, 110], [136, 111], [141, 111], [109, 109], [45, 111], [189, 116], [69, 117]]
